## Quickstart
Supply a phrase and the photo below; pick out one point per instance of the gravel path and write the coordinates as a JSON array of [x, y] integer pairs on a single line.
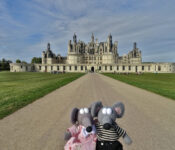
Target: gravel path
[[149, 118]]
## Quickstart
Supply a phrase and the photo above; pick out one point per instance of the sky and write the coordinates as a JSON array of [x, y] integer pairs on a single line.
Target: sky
[[26, 26]]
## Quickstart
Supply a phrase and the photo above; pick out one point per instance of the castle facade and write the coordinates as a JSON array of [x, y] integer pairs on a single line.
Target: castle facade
[[95, 57]]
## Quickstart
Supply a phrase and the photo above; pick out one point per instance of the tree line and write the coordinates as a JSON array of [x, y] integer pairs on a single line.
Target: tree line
[[5, 64]]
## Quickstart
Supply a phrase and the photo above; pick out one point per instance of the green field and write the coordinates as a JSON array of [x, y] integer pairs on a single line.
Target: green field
[[20, 89], [163, 84]]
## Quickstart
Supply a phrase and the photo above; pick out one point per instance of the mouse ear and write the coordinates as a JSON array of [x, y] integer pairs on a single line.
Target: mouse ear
[[74, 115], [119, 109], [95, 108]]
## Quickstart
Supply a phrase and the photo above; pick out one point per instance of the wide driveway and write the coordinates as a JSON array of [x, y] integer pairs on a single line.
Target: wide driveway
[[149, 118]]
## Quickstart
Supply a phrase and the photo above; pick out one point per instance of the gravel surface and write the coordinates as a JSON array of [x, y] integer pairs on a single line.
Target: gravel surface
[[149, 118]]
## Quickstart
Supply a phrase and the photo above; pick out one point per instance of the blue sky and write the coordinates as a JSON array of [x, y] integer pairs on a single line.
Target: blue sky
[[26, 26]]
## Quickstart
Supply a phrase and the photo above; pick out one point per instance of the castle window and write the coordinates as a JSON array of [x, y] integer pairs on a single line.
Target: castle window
[[149, 68], [21, 66], [105, 67], [51, 67], [58, 68], [123, 67], [99, 67], [81, 67], [159, 68], [110, 67], [75, 67], [129, 67], [117, 67], [143, 68], [85, 67], [26, 68], [70, 68], [136, 69], [64, 68], [39, 67]]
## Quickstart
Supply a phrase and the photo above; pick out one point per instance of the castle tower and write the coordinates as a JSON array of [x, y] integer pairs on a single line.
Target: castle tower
[[115, 48], [96, 41], [43, 57], [92, 38], [75, 38], [135, 50], [48, 47], [45, 54], [75, 42], [69, 46], [135, 45], [135, 55], [109, 41], [48, 51]]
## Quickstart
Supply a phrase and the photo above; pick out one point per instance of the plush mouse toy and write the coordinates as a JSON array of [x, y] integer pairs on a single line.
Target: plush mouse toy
[[82, 135], [108, 131]]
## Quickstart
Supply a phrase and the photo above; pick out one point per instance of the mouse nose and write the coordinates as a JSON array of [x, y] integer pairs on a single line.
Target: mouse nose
[[107, 126], [89, 129]]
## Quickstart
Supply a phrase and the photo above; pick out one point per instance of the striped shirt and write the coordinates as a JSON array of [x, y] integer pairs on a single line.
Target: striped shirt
[[113, 134]]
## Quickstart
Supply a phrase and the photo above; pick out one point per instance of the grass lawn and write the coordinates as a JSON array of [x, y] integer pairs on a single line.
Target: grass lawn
[[163, 84], [22, 88]]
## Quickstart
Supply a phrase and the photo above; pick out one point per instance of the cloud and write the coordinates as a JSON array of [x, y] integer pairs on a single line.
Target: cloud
[[27, 26]]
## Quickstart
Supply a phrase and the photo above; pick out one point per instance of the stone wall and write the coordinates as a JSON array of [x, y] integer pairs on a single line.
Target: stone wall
[[120, 68], [21, 67]]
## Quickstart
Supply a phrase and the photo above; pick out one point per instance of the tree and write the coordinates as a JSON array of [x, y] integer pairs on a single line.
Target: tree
[[36, 60], [24, 62], [5, 64], [3, 60], [18, 61]]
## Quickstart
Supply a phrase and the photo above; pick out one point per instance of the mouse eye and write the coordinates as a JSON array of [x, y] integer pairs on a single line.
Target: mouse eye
[[109, 111], [86, 110], [81, 111], [104, 110]]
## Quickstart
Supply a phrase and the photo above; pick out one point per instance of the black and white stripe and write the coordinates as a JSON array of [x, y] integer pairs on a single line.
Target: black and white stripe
[[113, 134]]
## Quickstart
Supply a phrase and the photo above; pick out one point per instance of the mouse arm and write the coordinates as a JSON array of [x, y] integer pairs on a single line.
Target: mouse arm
[[67, 135], [123, 133], [127, 139]]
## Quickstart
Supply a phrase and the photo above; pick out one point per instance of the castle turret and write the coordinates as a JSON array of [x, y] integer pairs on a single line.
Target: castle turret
[[48, 47], [75, 38], [115, 47], [69, 46], [109, 41], [46, 54], [135, 50], [43, 57], [96, 41], [75, 42], [48, 51], [135, 45], [92, 38], [134, 56]]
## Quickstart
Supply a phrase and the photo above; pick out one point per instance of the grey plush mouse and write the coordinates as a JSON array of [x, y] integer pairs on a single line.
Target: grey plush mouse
[[80, 117], [108, 131]]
